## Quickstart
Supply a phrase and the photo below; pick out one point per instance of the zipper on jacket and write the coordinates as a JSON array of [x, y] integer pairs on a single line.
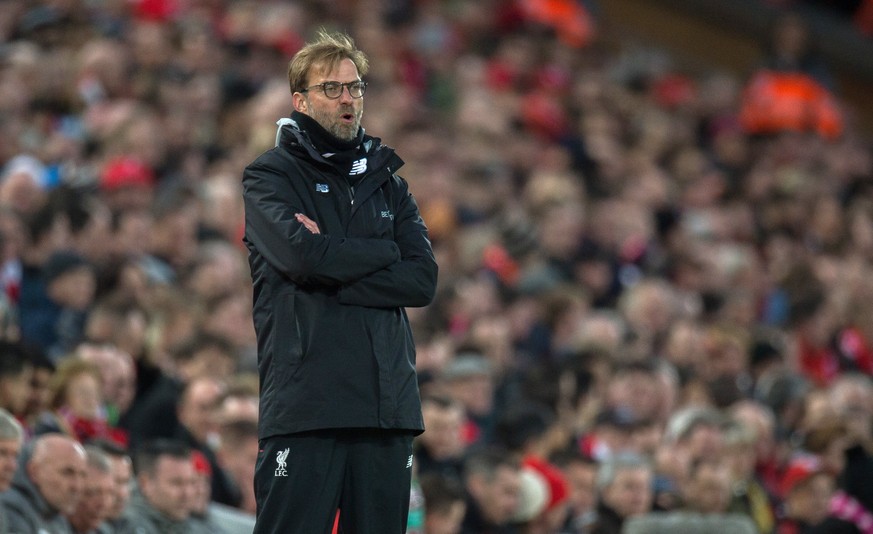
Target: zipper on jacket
[[352, 194]]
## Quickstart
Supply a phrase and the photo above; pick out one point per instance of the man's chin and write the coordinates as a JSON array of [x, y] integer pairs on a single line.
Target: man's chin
[[344, 133]]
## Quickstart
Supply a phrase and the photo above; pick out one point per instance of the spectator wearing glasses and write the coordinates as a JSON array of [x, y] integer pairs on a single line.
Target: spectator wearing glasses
[[337, 250]]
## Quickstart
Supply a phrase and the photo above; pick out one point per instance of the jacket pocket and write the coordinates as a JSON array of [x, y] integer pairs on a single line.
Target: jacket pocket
[[287, 345]]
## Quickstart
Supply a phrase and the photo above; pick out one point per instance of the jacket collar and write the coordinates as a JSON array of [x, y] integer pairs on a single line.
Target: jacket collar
[[323, 140], [291, 137], [140, 504]]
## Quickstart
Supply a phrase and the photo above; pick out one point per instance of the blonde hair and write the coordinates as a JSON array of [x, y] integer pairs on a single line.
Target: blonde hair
[[324, 53], [68, 369]]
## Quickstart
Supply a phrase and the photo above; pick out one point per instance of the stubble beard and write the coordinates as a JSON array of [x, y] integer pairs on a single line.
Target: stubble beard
[[338, 129]]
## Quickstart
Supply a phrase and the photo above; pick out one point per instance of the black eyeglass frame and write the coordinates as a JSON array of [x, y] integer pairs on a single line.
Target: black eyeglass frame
[[342, 86]]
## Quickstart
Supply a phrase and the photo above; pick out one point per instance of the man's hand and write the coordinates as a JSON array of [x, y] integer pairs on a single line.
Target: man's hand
[[307, 222]]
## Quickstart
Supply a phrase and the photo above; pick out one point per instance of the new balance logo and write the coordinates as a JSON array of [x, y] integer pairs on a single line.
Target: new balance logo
[[322, 188], [281, 457], [409, 462], [358, 167]]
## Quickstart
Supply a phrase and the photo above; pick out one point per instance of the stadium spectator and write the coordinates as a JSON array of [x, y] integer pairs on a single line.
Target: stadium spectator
[[165, 489], [16, 371], [444, 503], [807, 489], [470, 379], [708, 487], [624, 484], [749, 497], [198, 428], [11, 441], [117, 377], [695, 434], [796, 83], [581, 474], [440, 448], [210, 516], [122, 482], [203, 359], [40, 394], [237, 454], [852, 399], [493, 484], [48, 487], [531, 432], [98, 493], [240, 402], [77, 405], [22, 183], [69, 287], [830, 441], [610, 433]]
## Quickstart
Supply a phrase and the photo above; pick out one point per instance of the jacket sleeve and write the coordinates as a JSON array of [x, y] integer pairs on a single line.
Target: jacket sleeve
[[412, 281], [305, 258]]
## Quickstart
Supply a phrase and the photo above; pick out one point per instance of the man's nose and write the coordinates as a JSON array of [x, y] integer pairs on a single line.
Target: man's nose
[[345, 93]]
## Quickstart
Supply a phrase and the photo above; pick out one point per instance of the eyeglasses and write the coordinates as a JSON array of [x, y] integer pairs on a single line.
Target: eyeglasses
[[334, 90]]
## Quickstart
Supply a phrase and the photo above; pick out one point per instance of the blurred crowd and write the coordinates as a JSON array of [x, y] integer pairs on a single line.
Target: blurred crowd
[[655, 306], [859, 12]]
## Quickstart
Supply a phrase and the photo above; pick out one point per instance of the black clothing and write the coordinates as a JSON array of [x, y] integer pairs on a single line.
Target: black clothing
[[335, 348], [476, 523], [301, 480], [153, 414], [608, 521], [449, 467], [857, 475], [322, 140], [339, 400]]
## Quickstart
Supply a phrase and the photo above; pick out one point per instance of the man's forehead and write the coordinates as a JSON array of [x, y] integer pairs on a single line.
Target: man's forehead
[[58, 449], [173, 463], [324, 70]]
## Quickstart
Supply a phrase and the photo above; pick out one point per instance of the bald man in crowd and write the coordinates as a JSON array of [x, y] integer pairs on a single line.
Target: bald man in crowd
[[48, 489]]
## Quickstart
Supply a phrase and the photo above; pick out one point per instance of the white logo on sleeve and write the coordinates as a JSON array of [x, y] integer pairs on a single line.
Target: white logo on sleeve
[[409, 462], [322, 188], [358, 167], [281, 470]]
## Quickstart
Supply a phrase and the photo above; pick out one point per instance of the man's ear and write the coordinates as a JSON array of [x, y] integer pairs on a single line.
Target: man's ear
[[300, 103]]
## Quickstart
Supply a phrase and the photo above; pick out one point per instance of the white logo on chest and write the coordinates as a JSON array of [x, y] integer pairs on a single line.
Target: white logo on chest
[[358, 167]]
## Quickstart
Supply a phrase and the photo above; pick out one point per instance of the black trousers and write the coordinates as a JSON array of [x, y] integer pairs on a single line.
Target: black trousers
[[302, 479]]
